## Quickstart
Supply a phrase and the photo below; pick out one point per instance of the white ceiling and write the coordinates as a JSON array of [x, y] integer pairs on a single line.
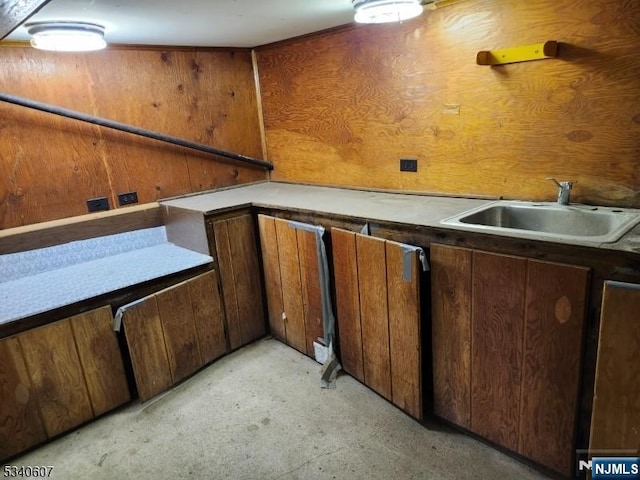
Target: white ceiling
[[208, 23]]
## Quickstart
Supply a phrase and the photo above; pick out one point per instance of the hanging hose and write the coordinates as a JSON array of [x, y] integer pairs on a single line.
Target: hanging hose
[[123, 127]]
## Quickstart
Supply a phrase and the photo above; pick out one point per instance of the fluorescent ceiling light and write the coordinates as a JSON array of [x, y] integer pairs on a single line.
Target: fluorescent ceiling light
[[386, 11], [66, 36]]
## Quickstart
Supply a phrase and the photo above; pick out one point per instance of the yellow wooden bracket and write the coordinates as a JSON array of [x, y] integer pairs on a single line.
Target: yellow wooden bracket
[[537, 51]]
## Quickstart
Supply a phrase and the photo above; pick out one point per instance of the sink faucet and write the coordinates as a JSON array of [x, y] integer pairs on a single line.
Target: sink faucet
[[564, 189]]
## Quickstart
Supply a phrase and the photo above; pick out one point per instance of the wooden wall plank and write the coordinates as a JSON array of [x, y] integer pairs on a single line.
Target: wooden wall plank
[[272, 280], [179, 330], [404, 330], [145, 340], [20, 424], [615, 422], [291, 285], [345, 268], [225, 267], [554, 325], [310, 283], [497, 325], [451, 269], [247, 277], [204, 96], [56, 375], [101, 359], [342, 107], [372, 282], [208, 316]]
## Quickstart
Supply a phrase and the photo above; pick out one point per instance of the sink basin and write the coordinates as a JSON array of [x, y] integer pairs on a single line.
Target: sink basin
[[542, 220]]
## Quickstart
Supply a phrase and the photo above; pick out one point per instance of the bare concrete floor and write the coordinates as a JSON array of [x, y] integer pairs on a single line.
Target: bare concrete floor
[[259, 414]]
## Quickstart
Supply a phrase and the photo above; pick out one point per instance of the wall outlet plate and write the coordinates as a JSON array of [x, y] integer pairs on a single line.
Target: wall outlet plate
[[127, 198], [408, 165], [98, 204]]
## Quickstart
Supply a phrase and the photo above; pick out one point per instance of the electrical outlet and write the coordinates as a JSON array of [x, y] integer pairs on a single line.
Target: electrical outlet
[[127, 198], [98, 204], [408, 165]]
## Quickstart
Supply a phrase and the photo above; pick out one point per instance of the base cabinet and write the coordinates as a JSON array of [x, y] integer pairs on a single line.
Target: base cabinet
[[173, 333], [378, 312], [507, 341], [58, 376]]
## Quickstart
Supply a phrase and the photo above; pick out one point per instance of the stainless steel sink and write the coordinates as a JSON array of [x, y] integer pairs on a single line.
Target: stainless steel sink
[[542, 220]]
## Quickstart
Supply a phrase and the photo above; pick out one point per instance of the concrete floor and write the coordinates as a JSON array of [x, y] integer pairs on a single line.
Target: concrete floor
[[260, 414]]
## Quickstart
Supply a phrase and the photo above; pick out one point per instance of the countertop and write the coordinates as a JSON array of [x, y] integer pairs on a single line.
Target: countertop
[[410, 209]]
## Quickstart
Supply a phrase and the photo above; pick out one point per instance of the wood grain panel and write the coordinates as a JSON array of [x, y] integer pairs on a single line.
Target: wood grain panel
[[404, 330], [554, 325], [145, 340], [56, 375], [291, 285], [497, 325], [342, 107], [225, 267], [372, 283], [204, 96], [451, 269], [208, 316], [101, 359], [345, 271], [272, 281], [179, 330], [246, 274], [310, 283], [20, 424], [615, 422]]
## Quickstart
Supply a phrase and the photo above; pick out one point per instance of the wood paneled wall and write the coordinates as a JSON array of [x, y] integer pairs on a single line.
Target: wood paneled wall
[[50, 166], [343, 107]]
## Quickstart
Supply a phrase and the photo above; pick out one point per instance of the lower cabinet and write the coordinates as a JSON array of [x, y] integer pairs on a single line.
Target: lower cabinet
[[377, 286], [58, 376], [507, 342], [234, 246], [173, 333], [292, 283], [615, 422]]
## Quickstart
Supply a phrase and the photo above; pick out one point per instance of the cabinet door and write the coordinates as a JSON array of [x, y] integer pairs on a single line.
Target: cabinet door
[[554, 323], [615, 423], [451, 333], [208, 316], [291, 285], [145, 340], [310, 283], [497, 322], [20, 425], [56, 375], [272, 279], [237, 256], [101, 359], [345, 270]]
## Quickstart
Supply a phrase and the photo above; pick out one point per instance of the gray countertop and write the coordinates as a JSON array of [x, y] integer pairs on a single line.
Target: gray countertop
[[421, 210]]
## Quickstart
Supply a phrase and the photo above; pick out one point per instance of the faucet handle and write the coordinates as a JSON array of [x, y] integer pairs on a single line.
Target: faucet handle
[[564, 185]]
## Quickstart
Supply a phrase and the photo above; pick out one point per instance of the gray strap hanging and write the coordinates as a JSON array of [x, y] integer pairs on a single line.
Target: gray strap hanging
[[331, 366], [407, 263], [117, 318]]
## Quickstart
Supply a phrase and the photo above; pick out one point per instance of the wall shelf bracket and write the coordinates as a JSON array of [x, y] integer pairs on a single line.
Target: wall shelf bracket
[[537, 51]]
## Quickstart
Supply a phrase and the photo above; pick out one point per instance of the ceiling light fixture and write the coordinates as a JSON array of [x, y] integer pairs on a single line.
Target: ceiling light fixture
[[66, 36], [386, 11]]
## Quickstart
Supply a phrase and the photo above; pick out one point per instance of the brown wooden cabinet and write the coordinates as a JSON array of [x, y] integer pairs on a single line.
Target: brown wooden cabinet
[[234, 246], [615, 423], [378, 313], [173, 333], [58, 376], [292, 283], [507, 342]]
